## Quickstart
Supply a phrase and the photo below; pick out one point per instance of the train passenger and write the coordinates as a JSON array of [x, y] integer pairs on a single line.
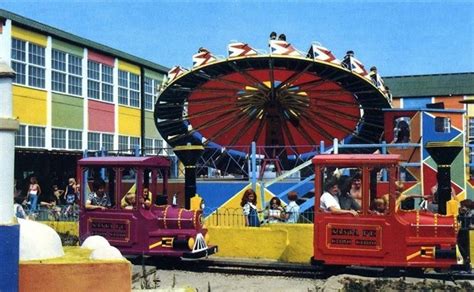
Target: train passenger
[[145, 199], [128, 201], [98, 199], [292, 210], [330, 199], [350, 190], [276, 213], [249, 205], [379, 207]]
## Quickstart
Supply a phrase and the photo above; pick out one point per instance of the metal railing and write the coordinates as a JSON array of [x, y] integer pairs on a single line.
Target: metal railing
[[234, 217]]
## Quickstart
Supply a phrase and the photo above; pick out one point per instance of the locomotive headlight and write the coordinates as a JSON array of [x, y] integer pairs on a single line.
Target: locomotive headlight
[[191, 243]]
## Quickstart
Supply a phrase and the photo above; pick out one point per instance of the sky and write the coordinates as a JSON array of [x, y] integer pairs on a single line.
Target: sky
[[399, 37]]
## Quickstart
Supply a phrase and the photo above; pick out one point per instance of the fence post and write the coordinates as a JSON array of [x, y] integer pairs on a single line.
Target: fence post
[[254, 165]]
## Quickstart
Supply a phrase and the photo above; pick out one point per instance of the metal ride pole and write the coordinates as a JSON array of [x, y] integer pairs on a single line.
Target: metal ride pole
[[254, 165]]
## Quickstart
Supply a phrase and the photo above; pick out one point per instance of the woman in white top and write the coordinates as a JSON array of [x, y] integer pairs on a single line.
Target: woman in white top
[[329, 199]]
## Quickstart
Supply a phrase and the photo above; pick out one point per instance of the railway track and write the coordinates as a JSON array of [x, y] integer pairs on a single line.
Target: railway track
[[273, 268]]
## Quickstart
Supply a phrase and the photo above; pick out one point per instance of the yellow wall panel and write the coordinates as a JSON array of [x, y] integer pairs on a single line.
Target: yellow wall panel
[[29, 105], [23, 34], [129, 67], [129, 121]]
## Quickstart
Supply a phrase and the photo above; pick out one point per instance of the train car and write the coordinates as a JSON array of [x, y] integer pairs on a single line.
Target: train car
[[134, 215], [381, 238]]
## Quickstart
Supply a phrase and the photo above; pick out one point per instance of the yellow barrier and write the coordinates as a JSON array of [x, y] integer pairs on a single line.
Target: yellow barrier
[[64, 226], [283, 242]]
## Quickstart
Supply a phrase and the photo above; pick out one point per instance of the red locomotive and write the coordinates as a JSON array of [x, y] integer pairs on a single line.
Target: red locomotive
[[137, 218], [391, 238]]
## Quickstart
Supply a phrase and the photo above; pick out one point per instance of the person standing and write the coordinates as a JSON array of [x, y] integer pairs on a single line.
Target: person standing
[[292, 210], [249, 206], [34, 190]]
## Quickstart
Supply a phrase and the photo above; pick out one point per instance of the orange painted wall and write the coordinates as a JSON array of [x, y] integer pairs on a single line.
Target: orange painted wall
[[113, 277]]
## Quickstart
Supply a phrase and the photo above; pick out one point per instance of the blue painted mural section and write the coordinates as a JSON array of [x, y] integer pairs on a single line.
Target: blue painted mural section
[[430, 135], [416, 102], [9, 256], [217, 193]]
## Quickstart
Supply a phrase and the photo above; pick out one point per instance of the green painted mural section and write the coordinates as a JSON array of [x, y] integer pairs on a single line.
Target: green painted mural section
[[150, 128], [68, 111], [154, 75], [469, 191], [68, 48], [458, 169]]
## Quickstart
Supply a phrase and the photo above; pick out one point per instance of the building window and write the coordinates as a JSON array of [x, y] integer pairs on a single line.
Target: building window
[[107, 83], [149, 146], [75, 139], [28, 60], [108, 141], [75, 75], [159, 146], [100, 81], [36, 136], [36, 65], [66, 73], [93, 82], [20, 136], [59, 138], [134, 90], [134, 143], [151, 86], [123, 143], [129, 89], [442, 124], [93, 141]]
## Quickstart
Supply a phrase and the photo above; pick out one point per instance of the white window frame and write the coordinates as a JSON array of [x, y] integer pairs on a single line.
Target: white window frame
[[68, 71], [71, 140], [55, 140], [103, 80], [129, 86], [33, 65]]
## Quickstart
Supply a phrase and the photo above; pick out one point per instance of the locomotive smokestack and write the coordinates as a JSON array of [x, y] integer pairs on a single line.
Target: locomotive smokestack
[[189, 155], [443, 153]]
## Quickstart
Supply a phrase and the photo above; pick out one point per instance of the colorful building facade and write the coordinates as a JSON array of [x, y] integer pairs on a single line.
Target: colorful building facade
[[72, 94]]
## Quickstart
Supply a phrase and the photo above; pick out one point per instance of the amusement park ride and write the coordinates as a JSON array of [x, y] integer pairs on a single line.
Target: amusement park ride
[[286, 99]]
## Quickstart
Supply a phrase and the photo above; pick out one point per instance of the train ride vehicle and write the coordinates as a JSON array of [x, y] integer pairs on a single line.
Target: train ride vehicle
[[387, 237], [138, 220]]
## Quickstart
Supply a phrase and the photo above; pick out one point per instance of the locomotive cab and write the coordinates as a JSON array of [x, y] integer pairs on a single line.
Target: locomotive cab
[[124, 200], [379, 233]]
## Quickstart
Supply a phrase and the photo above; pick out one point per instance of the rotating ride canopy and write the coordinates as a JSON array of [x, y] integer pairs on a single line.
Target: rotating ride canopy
[[286, 99]]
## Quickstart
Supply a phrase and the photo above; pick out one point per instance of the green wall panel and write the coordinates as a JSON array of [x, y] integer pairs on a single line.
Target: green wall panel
[[68, 48], [150, 128], [68, 111], [153, 75]]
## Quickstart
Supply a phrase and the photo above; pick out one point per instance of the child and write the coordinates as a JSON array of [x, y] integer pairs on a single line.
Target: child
[[57, 193], [379, 206], [249, 206], [18, 207], [276, 213], [292, 209], [128, 202]]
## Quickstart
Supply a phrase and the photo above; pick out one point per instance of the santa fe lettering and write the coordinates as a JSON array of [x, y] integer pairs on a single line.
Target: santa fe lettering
[[344, 231]]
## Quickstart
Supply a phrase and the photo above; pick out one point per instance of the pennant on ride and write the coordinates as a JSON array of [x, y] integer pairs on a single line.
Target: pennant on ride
[[203, 57], [278, 47], [175, 72], [321, 53], [240, 49], [355, 66]]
